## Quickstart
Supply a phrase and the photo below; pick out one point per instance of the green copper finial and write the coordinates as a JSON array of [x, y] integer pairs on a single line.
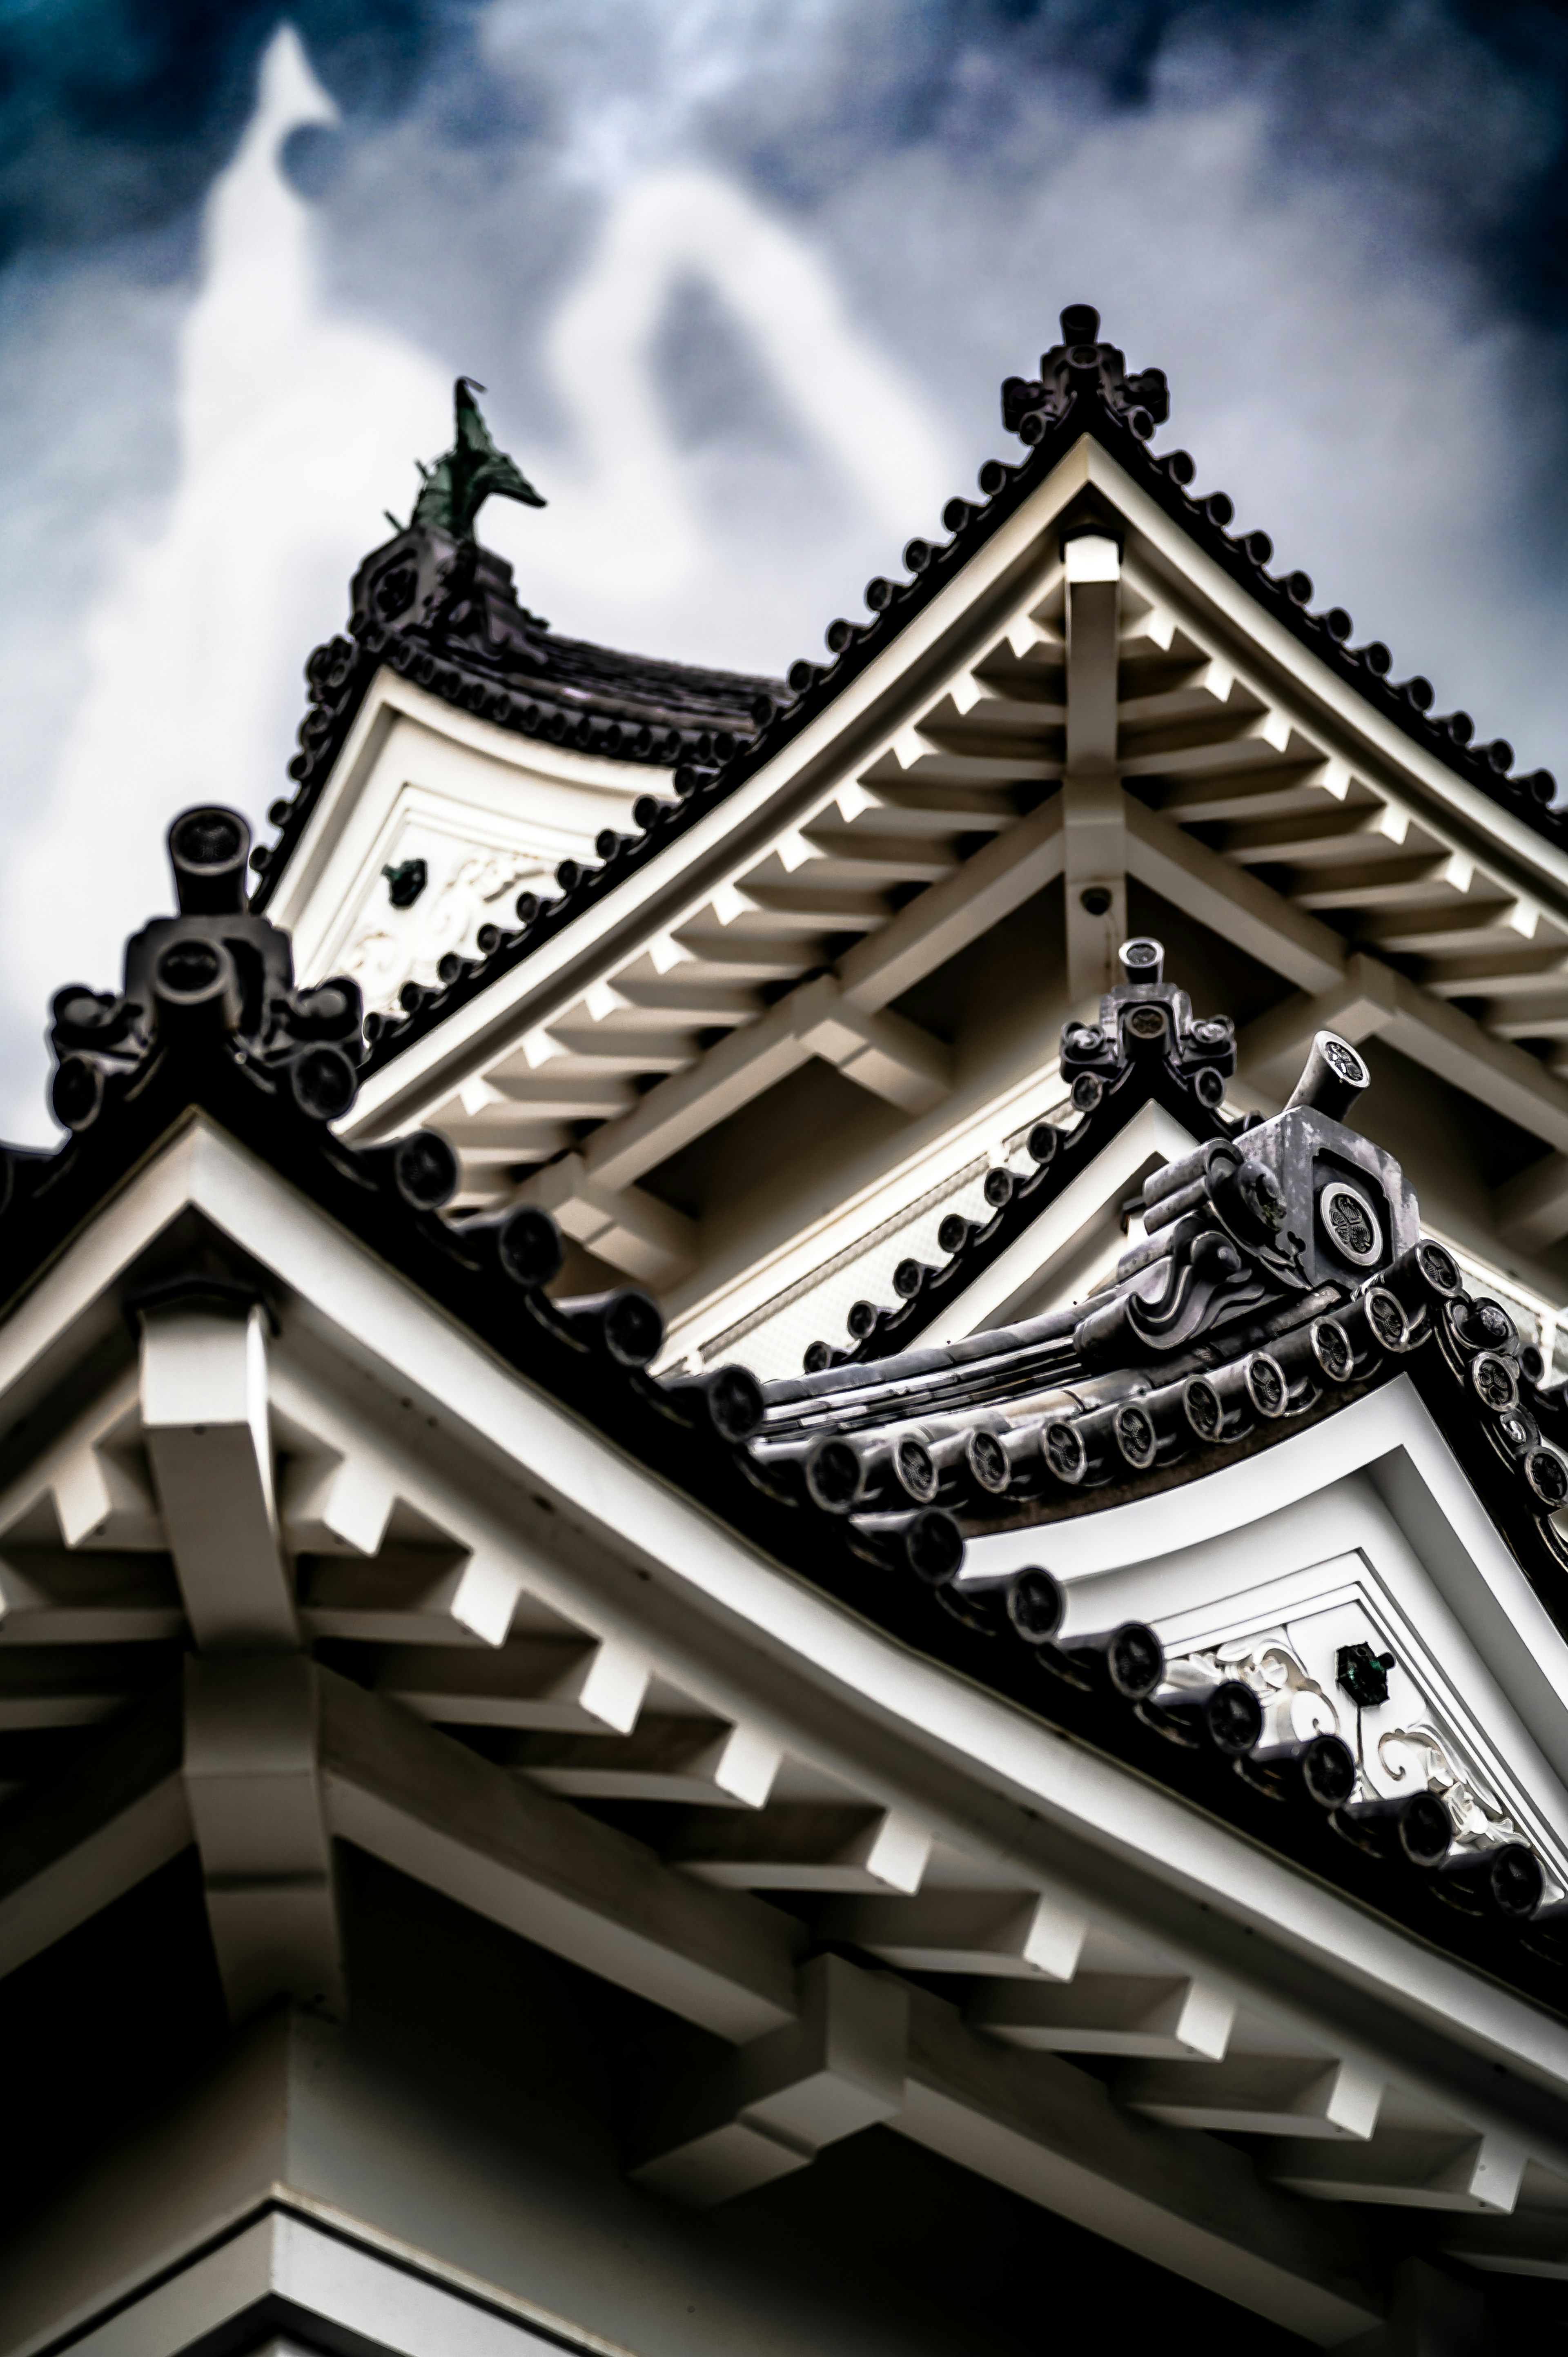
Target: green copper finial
[[457, 487]]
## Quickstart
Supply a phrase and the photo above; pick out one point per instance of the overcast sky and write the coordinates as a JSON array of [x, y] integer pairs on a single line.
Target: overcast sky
[[741, 277]]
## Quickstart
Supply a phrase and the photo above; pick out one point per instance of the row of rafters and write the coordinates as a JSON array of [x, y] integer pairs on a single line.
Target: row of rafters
[[1231, 794]]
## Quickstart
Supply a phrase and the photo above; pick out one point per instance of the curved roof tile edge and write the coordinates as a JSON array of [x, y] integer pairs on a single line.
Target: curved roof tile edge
[[211, 1022], [1083, 389]]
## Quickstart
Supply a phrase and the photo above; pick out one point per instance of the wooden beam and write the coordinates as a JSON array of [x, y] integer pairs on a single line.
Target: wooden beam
[[805, 1846], [1272, 1050], [1495, 1071], [405, 1594], [1532, 2242], [567, 1686], [1531, 1209], [884, 1054], [253, 1781], [710, 2125], [1406, 2169], [624, 1225], [996, 1934], [1108, 2013], [1052, 2133], [204, 1413], [1257, 2095], [424, 1803], [731, 1073], [945, 918], [1093, 804], [689, 1761], [1231, 901], [111, 1820]]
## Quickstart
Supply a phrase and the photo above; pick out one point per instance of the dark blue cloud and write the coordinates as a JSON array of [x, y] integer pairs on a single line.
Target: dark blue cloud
[[116, 114]]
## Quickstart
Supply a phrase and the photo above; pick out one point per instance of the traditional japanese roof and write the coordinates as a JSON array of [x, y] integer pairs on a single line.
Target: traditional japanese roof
[[443, 613], [1284, 1280], [730, 729]]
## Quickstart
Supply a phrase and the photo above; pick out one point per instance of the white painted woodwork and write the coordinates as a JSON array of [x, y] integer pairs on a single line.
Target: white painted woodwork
[[338, 2285], [204, 1413], [680, 1760], [252, 1780], [712, 2127], [1053, 2134], [1001, 1934], [486, 809], [1257, 2095], [806, 1845], [89, 1488], [1154, 668], [568, 1685], [625, 1225], [1107, 2013], [439, 1594], [1409, 2168], [928, 1790], [419, 1800], [884, 1054], [1499, 1630], [1095, 870]]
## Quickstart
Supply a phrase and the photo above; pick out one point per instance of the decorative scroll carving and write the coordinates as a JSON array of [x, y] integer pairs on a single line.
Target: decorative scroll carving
[[460, 918], [213, 973], [1421, 1754], [1295, 1706]]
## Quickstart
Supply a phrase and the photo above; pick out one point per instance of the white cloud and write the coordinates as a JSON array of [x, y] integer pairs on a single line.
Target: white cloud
[[293, 424], [1332, 367]]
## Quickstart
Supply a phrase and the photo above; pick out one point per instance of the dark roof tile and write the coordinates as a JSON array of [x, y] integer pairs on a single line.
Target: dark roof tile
[[1256, 1308], [1083, 387]]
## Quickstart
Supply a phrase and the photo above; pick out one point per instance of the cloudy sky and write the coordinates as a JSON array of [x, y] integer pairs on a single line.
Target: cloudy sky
[[741, 277]]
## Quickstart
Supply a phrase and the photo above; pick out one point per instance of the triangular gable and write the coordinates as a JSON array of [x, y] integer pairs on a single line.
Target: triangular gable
[[1145, 1084], [606, 1589], [814, 906], [1083, 389]]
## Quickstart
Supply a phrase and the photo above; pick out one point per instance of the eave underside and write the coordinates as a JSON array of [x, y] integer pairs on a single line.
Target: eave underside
[[874, 938], [680, 1766]]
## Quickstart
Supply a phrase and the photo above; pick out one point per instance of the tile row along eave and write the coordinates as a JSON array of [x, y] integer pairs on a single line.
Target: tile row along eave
[[875, 1563], [708, 771]]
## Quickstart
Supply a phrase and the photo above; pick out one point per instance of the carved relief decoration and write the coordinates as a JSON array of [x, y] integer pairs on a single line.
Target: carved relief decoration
[[395, 947]]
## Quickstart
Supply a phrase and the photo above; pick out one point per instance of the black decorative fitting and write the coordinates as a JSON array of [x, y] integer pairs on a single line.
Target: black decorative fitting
[[1282, 1274], [213, 978], [406, 882], [1363, 1675], [1278, 1213], [442, 612], [1144, 1018], [1128, 1662], [1080, 363], [727, 1399], [523, 1243], [456, 486]]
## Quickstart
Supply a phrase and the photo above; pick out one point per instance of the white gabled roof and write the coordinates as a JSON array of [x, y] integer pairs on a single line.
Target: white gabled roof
[[503, 1570], [1153, 725]]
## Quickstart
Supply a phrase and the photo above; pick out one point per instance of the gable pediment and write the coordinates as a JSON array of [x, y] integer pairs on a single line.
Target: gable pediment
[[798, 921]]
